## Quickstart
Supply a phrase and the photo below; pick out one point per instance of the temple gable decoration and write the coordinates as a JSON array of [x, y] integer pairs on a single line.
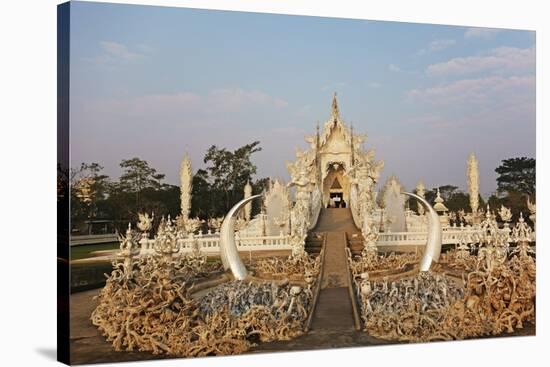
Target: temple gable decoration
[[338, 166]]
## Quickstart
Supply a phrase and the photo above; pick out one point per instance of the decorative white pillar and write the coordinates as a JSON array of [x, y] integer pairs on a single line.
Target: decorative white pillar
[[186, 178], [421, 191], [472, 173], [248, 206]]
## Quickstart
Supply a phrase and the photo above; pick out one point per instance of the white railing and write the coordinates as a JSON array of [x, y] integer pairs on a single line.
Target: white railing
[[211, 244], [449, 236]]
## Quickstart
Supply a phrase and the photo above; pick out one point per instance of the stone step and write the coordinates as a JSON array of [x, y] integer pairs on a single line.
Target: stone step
[[335, 219]]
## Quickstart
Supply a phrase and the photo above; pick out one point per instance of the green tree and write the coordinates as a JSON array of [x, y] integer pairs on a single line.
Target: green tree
[[201, 199], [229, 172], [137, 176], [454, 199], [517, 175], [89, 187]]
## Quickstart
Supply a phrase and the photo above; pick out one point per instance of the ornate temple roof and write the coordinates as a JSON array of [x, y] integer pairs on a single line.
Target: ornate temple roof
[[333, 123]]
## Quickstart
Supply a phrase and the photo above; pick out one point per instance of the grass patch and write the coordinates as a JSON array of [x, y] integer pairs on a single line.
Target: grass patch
[[84, 251]]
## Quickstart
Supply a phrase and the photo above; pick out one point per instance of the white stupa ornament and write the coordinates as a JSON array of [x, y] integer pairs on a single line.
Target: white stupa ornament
[[439, 206]]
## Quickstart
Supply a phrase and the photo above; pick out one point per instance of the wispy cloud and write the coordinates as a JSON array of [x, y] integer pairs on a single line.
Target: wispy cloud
[[394, 68], [437, 45], [481, 33], [482, 91], [192, 107], [112, 53], [118, 50], [497, 61]]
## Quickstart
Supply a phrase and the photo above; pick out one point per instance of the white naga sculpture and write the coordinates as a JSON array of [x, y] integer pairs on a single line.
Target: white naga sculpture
[[301, 178], [364, 175], [186, 179], [472, 173]]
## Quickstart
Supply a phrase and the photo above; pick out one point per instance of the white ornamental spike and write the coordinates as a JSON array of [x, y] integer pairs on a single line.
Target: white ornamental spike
[[433, 245], [228, 249]]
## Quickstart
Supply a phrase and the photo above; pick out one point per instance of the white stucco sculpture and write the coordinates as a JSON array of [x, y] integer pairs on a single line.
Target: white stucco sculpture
[[186, 185], [145, 222], [531, 205], [421, 191], [472, 174], [394, 205], [248, 206]]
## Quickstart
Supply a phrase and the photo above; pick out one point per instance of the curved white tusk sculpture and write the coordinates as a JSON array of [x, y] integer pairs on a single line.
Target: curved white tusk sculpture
[[433, 245], [228, 248]]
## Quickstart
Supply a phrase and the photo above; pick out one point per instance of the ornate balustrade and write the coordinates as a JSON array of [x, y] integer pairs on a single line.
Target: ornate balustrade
[[449, 236], [211, 244]]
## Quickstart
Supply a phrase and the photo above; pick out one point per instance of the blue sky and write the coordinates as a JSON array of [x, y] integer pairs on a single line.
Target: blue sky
[[156, 82]]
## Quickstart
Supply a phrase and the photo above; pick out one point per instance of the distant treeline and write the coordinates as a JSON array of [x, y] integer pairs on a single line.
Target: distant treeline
[[96, 196]]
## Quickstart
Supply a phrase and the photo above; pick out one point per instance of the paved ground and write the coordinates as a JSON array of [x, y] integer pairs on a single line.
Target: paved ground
[[87, 344], [334, 309], [335, 271], [335, 223]]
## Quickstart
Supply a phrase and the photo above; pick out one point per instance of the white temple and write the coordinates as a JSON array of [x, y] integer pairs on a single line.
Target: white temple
[[335, 172]]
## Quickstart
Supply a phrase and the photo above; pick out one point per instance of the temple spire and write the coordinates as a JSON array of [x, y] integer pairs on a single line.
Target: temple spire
[[335, 110]]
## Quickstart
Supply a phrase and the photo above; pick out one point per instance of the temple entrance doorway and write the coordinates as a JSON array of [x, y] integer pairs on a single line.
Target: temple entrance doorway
[[337, 200], [336, 188]]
